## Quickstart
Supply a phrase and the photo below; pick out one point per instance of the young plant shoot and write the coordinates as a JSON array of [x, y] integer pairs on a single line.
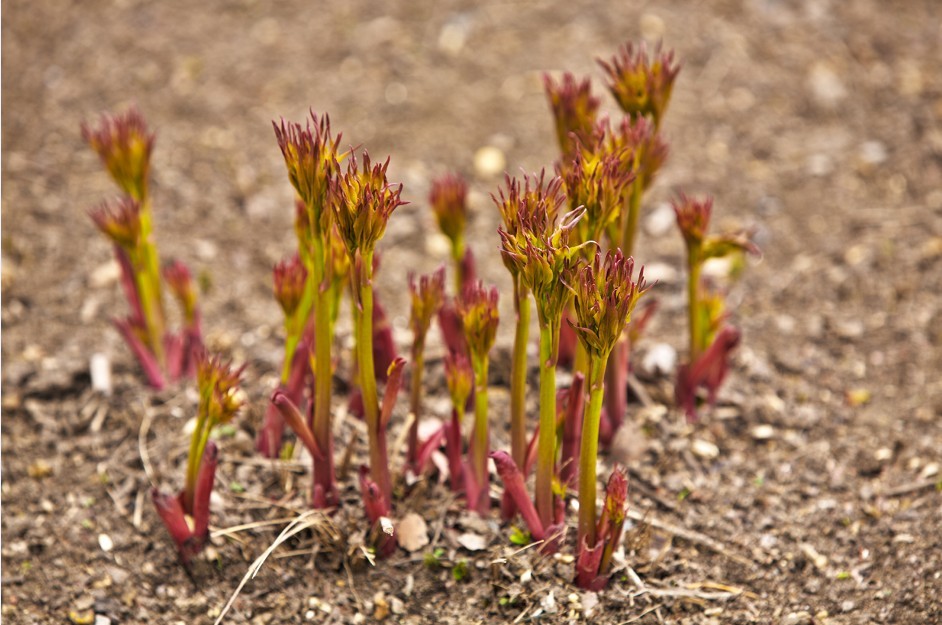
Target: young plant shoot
[[606, 295], [540, 254], [477, 308], [574, 110], [428, 294], [124, 145], [534, 196], [311, 158], [642, 86], [220, 400], [361, 202], [449, 200], [290, 288], [711, 340], [460, 379]]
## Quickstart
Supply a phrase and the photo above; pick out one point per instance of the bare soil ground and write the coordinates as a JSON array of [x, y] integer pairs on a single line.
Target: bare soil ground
[[817, 122]]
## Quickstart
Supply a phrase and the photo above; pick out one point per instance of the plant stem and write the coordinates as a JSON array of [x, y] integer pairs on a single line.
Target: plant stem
[[379, 465], [589, 451], [322, 373], [457, 255], [518, 375], [415, 398], [294, 326], [616, 372], [693, 301], [546, 444], [149, 285], [197, 446], [630, 226], [480, 446]]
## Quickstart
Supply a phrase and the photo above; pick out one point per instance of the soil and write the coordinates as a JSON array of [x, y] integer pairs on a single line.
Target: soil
[[811, 494]]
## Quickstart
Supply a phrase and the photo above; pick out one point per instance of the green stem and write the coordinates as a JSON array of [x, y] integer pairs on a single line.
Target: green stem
[[322, 341], [415, 395], [194, 459], [149, 285], [546, 444], [631, 219], [693, 302], [294, 326], [480, 424], [379, 469], [457, 255], [589, 450], [518, 375]]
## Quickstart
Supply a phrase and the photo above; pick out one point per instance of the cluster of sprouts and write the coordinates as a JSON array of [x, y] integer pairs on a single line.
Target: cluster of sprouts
[[567, 240]]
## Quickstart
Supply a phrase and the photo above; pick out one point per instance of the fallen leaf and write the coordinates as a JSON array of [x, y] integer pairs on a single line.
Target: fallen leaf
[[472, 542], [412, 532]]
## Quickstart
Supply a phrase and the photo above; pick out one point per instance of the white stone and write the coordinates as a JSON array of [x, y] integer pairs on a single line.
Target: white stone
[[704, 449], [99, 368], [105, 542], [660, 220], [763, 432], [489, 161], [660, 359]]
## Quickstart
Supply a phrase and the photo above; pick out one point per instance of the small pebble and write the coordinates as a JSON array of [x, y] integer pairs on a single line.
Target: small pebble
[[472, 542], [398, 607], [489, 161], [39, 469], [660, 272], [105, 275], [661, 220], [652, 27], [548, 603], [704, 449], [930, 470], [826, 86], [454, 35], [763, 432], [873, 152], [413, 532], [105, 542], [797, 618], [660, 359], [99, 367]]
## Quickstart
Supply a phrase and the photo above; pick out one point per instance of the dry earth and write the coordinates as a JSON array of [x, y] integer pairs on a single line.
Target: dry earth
[[816, 122]]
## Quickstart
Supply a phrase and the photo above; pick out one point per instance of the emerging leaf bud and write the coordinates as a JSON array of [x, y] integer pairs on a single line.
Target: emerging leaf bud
[[218, 383], [693, 218], [540, 254], [645, 147], [460, 378], [311, 157], [536, 201], [605, 297], [428, 294], [449, 200], [180, 282], [289, 275], [124, 145], [596, 179], [574, 110], [477, 308], [641, 84], [362, 201], [616, 500], [120, 221]]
